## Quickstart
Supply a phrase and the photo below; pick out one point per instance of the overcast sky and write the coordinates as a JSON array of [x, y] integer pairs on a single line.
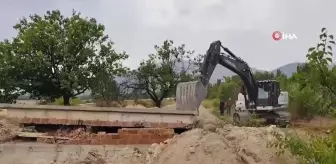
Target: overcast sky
[[244, 26]]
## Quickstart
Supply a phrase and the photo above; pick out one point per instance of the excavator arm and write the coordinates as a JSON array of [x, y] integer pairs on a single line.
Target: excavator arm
[[230, 61], [189, 95]]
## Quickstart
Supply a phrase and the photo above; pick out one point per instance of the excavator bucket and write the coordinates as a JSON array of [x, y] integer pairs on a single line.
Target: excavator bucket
[[189, 95]]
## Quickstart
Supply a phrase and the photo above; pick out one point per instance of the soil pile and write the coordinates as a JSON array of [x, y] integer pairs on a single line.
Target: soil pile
[[196, 146], [128, 155], [213, 142]]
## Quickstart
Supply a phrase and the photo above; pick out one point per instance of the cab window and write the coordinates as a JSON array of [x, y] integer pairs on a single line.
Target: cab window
[[262, 94]]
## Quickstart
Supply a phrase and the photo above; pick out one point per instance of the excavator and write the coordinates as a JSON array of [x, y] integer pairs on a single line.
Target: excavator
[[263, 99]]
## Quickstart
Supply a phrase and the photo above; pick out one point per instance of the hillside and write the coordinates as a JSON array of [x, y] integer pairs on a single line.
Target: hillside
[[287, 69], [220, 72]]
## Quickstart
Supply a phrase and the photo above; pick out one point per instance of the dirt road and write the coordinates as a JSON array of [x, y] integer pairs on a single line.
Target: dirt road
[[211, 141]]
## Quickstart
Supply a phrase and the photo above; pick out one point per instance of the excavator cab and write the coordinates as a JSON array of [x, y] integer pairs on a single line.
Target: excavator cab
[[268, 93]]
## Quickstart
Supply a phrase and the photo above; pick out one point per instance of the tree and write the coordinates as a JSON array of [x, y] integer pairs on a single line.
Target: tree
[[9, 91], [264, 75], [106, 89], [319, 58], [60, 56], [160, 74]]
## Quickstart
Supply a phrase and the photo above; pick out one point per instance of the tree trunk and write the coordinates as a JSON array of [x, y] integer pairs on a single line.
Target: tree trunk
[[158, 103], [66, 100]]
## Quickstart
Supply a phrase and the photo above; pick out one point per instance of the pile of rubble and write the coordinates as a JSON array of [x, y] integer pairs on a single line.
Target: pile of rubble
[[79, 133]]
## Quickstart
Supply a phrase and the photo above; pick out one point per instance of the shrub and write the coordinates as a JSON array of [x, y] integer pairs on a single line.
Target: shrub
[[317, 150]]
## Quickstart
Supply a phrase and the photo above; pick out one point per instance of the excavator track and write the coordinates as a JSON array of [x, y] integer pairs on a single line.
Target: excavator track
[[241, 117], [279, 118]]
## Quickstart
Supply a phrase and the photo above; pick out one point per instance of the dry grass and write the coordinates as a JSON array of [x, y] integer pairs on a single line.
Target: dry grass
[[318, 125], [210, 103], [110, 103]]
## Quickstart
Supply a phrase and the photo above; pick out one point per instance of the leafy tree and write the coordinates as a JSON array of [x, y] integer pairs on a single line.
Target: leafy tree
[[107, 90], [60, 56], [311, 89], [160, 74], [9, 91], [264, 75], [312, 93]]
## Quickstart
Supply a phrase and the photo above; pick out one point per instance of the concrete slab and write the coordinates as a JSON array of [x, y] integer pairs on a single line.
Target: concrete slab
[[95, 109], [99, 116], [30, 134]]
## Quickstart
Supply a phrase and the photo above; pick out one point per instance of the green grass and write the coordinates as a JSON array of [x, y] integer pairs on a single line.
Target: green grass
[[211, 103]]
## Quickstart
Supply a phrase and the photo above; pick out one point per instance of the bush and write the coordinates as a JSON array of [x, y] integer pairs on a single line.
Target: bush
[[317, 150], [312, 93]]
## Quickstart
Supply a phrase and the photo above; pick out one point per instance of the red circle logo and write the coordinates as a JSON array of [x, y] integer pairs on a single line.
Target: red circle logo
[[277, 35]]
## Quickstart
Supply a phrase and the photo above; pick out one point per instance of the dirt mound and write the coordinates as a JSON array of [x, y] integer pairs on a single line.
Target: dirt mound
[[196, 146], [128, 155], [227, 145], [93, 157], [213, 142]]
